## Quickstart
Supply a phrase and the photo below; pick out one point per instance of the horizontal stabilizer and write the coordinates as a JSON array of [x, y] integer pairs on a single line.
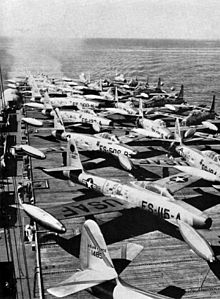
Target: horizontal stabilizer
[[210, 126], [128, 251], [60, 169], [82, 280], [197, 172]]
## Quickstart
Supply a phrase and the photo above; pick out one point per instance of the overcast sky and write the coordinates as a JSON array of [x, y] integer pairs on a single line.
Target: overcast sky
[[184, 19]]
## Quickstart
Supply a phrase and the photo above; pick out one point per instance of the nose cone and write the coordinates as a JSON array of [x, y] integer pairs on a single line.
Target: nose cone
[[202, 221], [62, 229], [208, 222]]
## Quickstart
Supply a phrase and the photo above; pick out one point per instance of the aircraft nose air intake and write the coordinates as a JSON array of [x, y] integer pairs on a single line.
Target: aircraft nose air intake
[[202, 221], [208, 222]]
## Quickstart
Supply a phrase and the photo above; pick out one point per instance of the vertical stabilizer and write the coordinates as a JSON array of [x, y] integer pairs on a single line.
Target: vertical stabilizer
[[158, 84], [212, 108], [177, 133], [181, 93], [73, 158], [82, 78], [93, 250], [141, 113], [116, 94], [47, 102], [58, 122]]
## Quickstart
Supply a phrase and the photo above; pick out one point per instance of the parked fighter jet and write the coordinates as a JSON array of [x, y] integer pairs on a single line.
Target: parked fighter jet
[[202, 116], [161, 99], [200, 164], [121, 108], [83, 117], [151, 128], [102, 142], [78, 102], [152, 197], [98, 271], [205, 164]]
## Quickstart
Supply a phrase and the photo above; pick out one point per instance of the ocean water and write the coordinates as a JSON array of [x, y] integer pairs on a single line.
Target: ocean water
[[196, 64]]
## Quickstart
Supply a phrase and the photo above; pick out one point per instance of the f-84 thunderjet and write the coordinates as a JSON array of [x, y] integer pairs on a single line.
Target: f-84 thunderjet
[[102, 142], [201, 117], [84, 117], [152, 197], [205, 164], [78, 102], [151, 128], [201, 164]]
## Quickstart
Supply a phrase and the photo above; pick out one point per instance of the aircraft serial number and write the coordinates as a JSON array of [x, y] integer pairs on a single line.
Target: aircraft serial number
[[89, 120], [160, 211], [112, 150], [97, 254], [206, 168]]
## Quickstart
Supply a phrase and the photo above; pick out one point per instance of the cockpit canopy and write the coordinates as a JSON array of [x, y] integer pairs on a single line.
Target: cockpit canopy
[[89, 111], [212, 155], [156, 188], [195, 113], [161, 123], [108, 136]]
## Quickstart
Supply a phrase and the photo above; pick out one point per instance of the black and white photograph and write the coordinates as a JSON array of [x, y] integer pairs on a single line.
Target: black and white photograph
[[110, 149]]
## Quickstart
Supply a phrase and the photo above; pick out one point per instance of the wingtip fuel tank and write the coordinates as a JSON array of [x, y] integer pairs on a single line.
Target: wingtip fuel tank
[[44, 218], [196, 242], [32, 151], [32, 121]]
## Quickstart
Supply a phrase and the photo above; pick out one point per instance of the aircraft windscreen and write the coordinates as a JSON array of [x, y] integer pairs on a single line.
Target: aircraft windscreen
[[212, 155], [108, 136], [154, 188], [88, 111], [160, 123]]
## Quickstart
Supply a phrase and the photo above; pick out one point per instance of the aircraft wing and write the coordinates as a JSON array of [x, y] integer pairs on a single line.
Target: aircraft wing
[[82, 280], [162, 162], [87, 207], [177, 181]]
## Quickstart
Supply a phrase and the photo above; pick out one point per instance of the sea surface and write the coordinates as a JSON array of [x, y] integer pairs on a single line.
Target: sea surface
[[196, 64]]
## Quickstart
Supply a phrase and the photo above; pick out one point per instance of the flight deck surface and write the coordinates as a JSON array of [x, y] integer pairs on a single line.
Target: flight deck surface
[[166, 265]]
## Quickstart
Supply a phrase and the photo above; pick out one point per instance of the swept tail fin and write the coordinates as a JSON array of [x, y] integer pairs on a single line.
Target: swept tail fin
[[73, 162], [93, 250], [159, 84], [95, 262], [116, 94], [58, 122], [141, 113], [212, 108], [47, 103], [177, 132], [73, 158], [181, 93]]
